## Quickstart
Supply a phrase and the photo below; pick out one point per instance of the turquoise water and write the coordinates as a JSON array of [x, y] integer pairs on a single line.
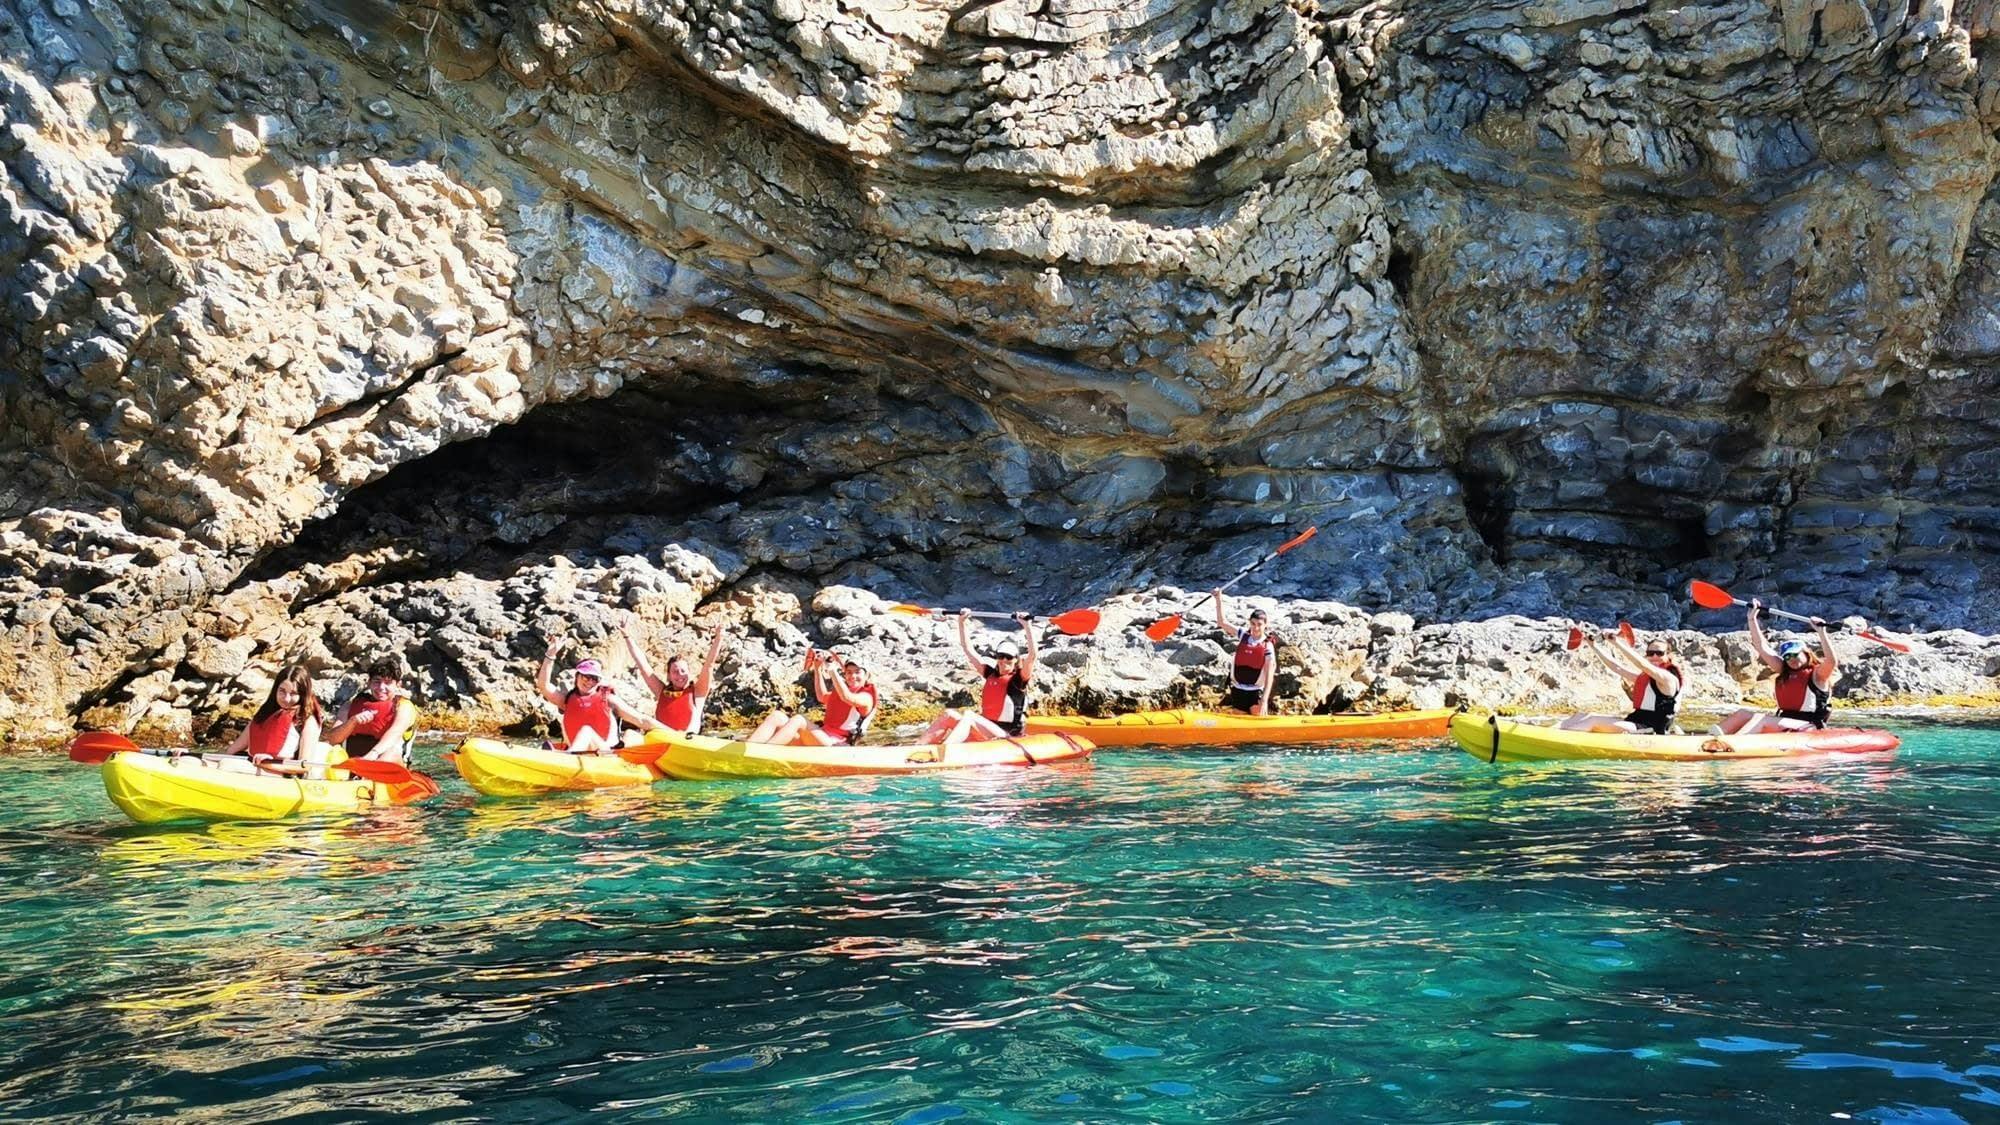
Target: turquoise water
[[1168, 936]]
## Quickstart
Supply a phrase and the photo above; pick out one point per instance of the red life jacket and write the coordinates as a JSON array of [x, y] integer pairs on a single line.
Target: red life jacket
[[372, 716], [1646, 694], [273, 736], [1004, 700], [1800, 696], [680, 710], [590, 712], [1251, 656], [846, 721]]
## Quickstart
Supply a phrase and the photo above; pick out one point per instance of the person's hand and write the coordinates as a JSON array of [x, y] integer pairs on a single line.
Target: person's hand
[[1258, 708], [1218, 594], [964, 615], [1817, 623], [1021, 617]]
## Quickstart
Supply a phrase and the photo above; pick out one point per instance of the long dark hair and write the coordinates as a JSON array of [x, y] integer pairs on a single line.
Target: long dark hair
[[300, 678]]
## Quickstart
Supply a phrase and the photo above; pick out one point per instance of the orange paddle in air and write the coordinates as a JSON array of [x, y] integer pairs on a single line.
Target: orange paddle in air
[[1075, 622], [1166, 626], [1708, 595]]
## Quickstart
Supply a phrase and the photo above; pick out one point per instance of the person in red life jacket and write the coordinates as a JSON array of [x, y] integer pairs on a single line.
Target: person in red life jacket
[[1255, 664], [1653, 681], [286, 728], [1805, 681], [1003, 696], [679, 699], [591, 709], [842, 687], [378, 723]]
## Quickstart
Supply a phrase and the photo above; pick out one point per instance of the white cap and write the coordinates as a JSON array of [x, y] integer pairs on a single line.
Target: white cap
[[1006, 648]]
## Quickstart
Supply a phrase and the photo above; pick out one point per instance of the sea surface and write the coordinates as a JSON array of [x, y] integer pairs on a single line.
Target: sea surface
[[1248, 934]]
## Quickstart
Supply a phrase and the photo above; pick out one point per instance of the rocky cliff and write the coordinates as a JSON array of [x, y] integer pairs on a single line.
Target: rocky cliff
[[337, 325]]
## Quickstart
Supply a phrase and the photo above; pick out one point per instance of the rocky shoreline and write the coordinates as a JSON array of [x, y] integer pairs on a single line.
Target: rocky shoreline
[[471, 645]]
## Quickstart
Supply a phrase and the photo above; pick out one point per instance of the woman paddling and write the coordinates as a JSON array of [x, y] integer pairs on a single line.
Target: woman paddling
[[1653, 680], [286, 728], [1254, 665], [591, 709], [678, 700], [1804, 689], [379, 723], [843, 688], [1003, 696]]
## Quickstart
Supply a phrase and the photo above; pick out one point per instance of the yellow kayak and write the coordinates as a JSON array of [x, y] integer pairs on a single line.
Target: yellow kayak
[[153, 789], [1219, 728], [699, 758], [1494, 739], [503, 769]]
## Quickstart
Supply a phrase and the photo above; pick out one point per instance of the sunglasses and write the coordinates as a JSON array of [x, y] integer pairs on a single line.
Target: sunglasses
[[1656, 652]]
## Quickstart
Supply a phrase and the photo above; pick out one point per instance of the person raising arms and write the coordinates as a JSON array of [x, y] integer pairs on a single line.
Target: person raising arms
[[1003, 700], [1654, 681], [843, 688], [1804, 689], [378, 723], [1255, 664], [679, 700], [591, 709]]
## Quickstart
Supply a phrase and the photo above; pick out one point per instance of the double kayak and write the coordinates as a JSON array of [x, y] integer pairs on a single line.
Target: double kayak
[[1494, 739], [505, 769], [1217, 728], [158, 789], [699, 758]]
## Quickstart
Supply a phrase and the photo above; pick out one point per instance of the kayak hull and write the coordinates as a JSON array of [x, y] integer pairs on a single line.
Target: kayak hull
[[1217, 728], [152, 789], [1528, 742], [698, 758], [503, 769]]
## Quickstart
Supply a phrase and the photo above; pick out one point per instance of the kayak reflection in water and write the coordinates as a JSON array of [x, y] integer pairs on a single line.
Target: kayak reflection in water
[[1003, 700], [1255, 663], [379, 722], [286, 728], [591, 709], [1805, 681], [680, 699], [843, 688], [1653, 680]]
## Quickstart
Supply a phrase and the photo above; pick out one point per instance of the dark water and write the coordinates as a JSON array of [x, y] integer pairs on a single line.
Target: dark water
[[1153, 936]]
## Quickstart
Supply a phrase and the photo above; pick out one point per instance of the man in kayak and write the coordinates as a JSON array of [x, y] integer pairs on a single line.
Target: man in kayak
[[1804, 689], [1255, 663], [591, 709], [379, 723], [680, 699], [285, 730], [1003, 698], [843, 688], [1653, 680]]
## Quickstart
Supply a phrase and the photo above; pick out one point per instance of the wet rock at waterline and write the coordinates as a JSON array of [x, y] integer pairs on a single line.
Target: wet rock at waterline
[[1535, 308]]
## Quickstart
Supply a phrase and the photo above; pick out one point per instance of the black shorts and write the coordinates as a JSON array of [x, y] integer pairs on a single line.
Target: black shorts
[[1242, 699], [1655, 721]]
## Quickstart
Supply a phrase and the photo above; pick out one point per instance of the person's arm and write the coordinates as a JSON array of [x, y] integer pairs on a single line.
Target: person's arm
[[1027, 664], [1758, 644], [241, 743], [542, 678], [632, 718], [821, 678], [965, 645], [1664, 682], [1614, 660], [840, 688], [707, 678], [1269, 677], [653, 683], [391, 743], [308, 737], [1222, 621], [1829, 668]]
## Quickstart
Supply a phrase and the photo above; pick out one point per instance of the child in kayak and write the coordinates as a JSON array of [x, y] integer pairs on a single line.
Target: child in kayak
[[1653, 681], [843, 688], [379, 723], [1003, 700], [591, 709], [679, 699], [286, 728], [1255, 663], [1804, 689]]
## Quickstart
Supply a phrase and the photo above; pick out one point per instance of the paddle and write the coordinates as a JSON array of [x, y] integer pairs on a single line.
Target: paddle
[[1075, 622], [1166, 626], [1625, 634], [1707, 595], [93, 747]]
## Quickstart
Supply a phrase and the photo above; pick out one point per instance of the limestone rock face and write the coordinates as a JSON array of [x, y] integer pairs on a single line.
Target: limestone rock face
[[338, 327]]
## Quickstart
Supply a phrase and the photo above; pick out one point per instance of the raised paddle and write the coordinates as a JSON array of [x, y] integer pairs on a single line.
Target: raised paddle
[[1708, 595], [1625, 634], [1075, 622], [1166, 626]]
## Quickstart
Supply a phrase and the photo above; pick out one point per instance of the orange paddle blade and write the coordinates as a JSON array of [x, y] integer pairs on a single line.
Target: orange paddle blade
[[1162, 629], [1575, 640], [1077, 622], [1626, 634], [912, 610], [1301, 537], [92, 747], [1707, 595], [643, 755], [1894, 646], [388, 773]]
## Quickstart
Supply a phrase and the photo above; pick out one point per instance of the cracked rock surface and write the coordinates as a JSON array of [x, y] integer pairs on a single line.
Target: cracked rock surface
[[333, 328]]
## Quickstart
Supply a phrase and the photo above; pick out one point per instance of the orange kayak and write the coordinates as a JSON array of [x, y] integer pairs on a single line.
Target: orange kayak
[[1221, 728]]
